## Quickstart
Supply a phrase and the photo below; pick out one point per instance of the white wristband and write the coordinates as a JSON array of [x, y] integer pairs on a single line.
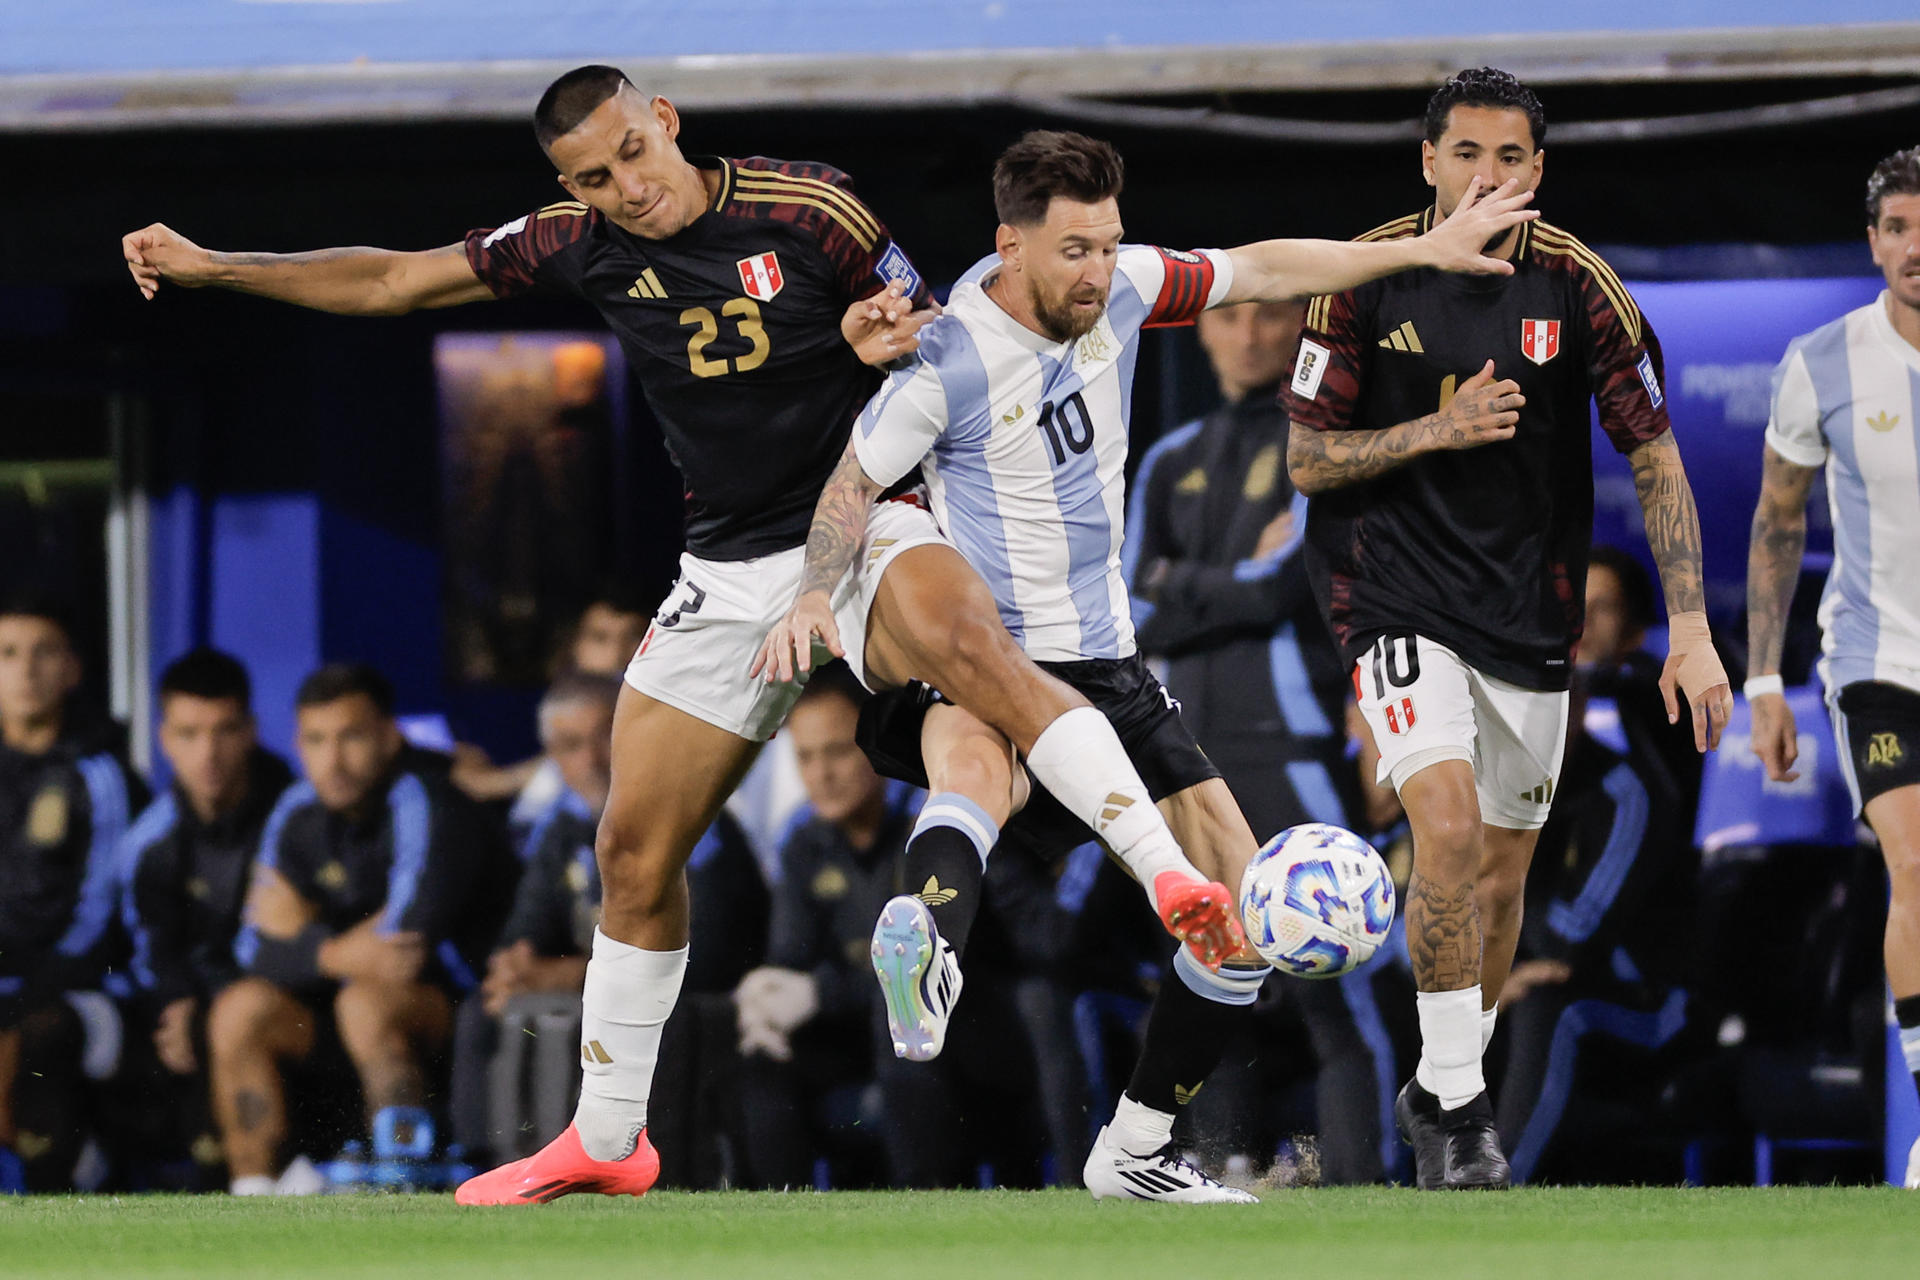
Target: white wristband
[[1760, 686]]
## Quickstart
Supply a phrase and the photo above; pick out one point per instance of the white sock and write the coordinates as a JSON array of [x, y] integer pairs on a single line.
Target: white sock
[[254, 1184], [1080, 760], [1487, 1018], [1138, 1129], [628, 997], [1450, 1025]]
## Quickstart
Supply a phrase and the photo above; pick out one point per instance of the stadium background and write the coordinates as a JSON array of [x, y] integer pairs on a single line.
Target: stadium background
[[202, 456]]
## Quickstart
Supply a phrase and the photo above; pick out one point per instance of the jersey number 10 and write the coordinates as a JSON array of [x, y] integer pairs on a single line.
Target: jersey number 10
[[1064, 435]]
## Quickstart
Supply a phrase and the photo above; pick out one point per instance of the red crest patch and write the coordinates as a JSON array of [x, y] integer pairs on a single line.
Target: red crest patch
[[1539, 340], [760, 276]]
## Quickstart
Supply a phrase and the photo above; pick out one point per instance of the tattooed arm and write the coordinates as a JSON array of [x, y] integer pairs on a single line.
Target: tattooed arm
[[1481, 412], [1773, 566], [1673, 534], [839, 528], [354, 281]]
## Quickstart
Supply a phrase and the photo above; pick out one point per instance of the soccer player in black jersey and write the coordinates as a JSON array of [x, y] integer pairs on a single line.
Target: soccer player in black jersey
[[746, 295], [1447, 539]]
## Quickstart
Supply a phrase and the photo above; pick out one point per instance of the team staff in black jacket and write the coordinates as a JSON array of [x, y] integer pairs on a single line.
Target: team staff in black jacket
[[376, 893], [184, 875], [65, 796], [1221, 593]]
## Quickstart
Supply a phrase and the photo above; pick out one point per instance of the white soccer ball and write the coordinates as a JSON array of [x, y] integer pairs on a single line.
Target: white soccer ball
[[1316, 901]]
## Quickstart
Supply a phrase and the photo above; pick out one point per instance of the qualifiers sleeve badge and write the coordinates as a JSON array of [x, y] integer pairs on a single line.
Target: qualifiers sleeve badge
[[760, 276], [1647, 379], [1310, 368], [893, 265]]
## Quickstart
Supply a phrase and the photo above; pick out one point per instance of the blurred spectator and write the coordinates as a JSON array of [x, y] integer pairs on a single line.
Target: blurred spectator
[[65, 798], [1222, 595], [1595, 989], [514, 1091], [1619, 669], [377, 890], [184, 867], [811, 1022]]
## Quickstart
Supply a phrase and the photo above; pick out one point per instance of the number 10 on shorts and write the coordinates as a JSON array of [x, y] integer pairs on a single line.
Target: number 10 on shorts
[[1396, 663]]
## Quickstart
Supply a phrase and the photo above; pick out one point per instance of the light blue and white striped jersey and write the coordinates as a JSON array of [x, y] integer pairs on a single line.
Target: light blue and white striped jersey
[[1024, 444], [1848, 395]]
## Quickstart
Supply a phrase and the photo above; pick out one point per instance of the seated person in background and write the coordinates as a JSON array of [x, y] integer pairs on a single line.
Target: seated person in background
[[184, 876], [1612, 651], [811, 1022], [376, 892], [65, 798], [539, 963], [1595, 990], [610, 628]]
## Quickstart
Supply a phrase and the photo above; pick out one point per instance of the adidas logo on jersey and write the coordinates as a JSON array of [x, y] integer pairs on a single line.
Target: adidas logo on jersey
[[1019, 412], [1403, 339], [879, 548], [1884, 421], [647, 285], [933, 895], [1540, 794]]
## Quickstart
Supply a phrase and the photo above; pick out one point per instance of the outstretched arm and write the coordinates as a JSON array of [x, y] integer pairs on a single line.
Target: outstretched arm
[[1773, 566], [1279, 270], [1673, 534], [1481, 412], [353, 281], [839, 528]]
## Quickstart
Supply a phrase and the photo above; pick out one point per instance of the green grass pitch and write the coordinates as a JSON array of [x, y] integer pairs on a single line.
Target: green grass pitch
[[1558, 1234]]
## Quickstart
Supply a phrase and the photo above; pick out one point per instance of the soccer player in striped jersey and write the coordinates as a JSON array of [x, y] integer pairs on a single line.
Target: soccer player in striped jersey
[[1017, 406], [1450, 521], [748, 297], [1847, 398]]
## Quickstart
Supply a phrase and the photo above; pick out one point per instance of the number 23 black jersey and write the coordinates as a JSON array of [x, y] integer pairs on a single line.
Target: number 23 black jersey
[[732, 327]]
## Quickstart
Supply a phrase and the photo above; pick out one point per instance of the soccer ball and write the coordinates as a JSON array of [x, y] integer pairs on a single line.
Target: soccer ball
[[1316, 901]]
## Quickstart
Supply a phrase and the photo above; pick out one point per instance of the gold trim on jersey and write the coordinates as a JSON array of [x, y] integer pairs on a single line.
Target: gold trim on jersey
[[1560, 243], [773, 188], [562, 209], [725, 192], [1411, 225]]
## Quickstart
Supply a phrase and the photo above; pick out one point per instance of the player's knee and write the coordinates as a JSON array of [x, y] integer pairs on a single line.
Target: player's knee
[[1448, 842], [239, 1016], [638, 876], [1501, 889], [979, 769], [1903, 871]]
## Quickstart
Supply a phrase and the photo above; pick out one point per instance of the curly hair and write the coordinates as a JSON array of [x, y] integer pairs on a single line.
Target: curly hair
[[1897, 175], [1484, 87]]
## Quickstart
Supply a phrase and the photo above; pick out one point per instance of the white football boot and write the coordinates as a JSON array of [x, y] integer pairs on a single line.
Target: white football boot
[[919, 978], [1913, 1166], [1160, 1175]]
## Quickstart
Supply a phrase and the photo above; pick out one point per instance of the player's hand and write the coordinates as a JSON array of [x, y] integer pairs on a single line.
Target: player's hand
[[1482, 217], [885, 327], [173, 1037], [1693, 669], [1776, 739], [159, 253], [1529, 974], [787, 654], [1481, 412], [363, 954]]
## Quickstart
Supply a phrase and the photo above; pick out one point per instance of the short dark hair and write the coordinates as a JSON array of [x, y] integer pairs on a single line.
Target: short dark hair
[[1485, 87], [1897, 175], [1636, 585], [836, 679], [619, 597], [1047, 163], [42, 605], [572, 98], [207, 673], [339, 680]]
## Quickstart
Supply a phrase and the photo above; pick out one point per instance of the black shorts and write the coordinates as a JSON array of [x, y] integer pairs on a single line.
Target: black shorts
[[1142, 712], [1879, 726]]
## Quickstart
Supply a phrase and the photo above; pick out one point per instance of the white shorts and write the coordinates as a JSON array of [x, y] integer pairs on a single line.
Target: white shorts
[[712, 624], [1425, 705]]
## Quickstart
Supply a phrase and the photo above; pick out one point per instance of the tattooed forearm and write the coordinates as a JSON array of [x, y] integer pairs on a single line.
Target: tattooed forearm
[[839, 524], [1673, 524], [1773, 559], [1443, 935], [1479, 415]]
